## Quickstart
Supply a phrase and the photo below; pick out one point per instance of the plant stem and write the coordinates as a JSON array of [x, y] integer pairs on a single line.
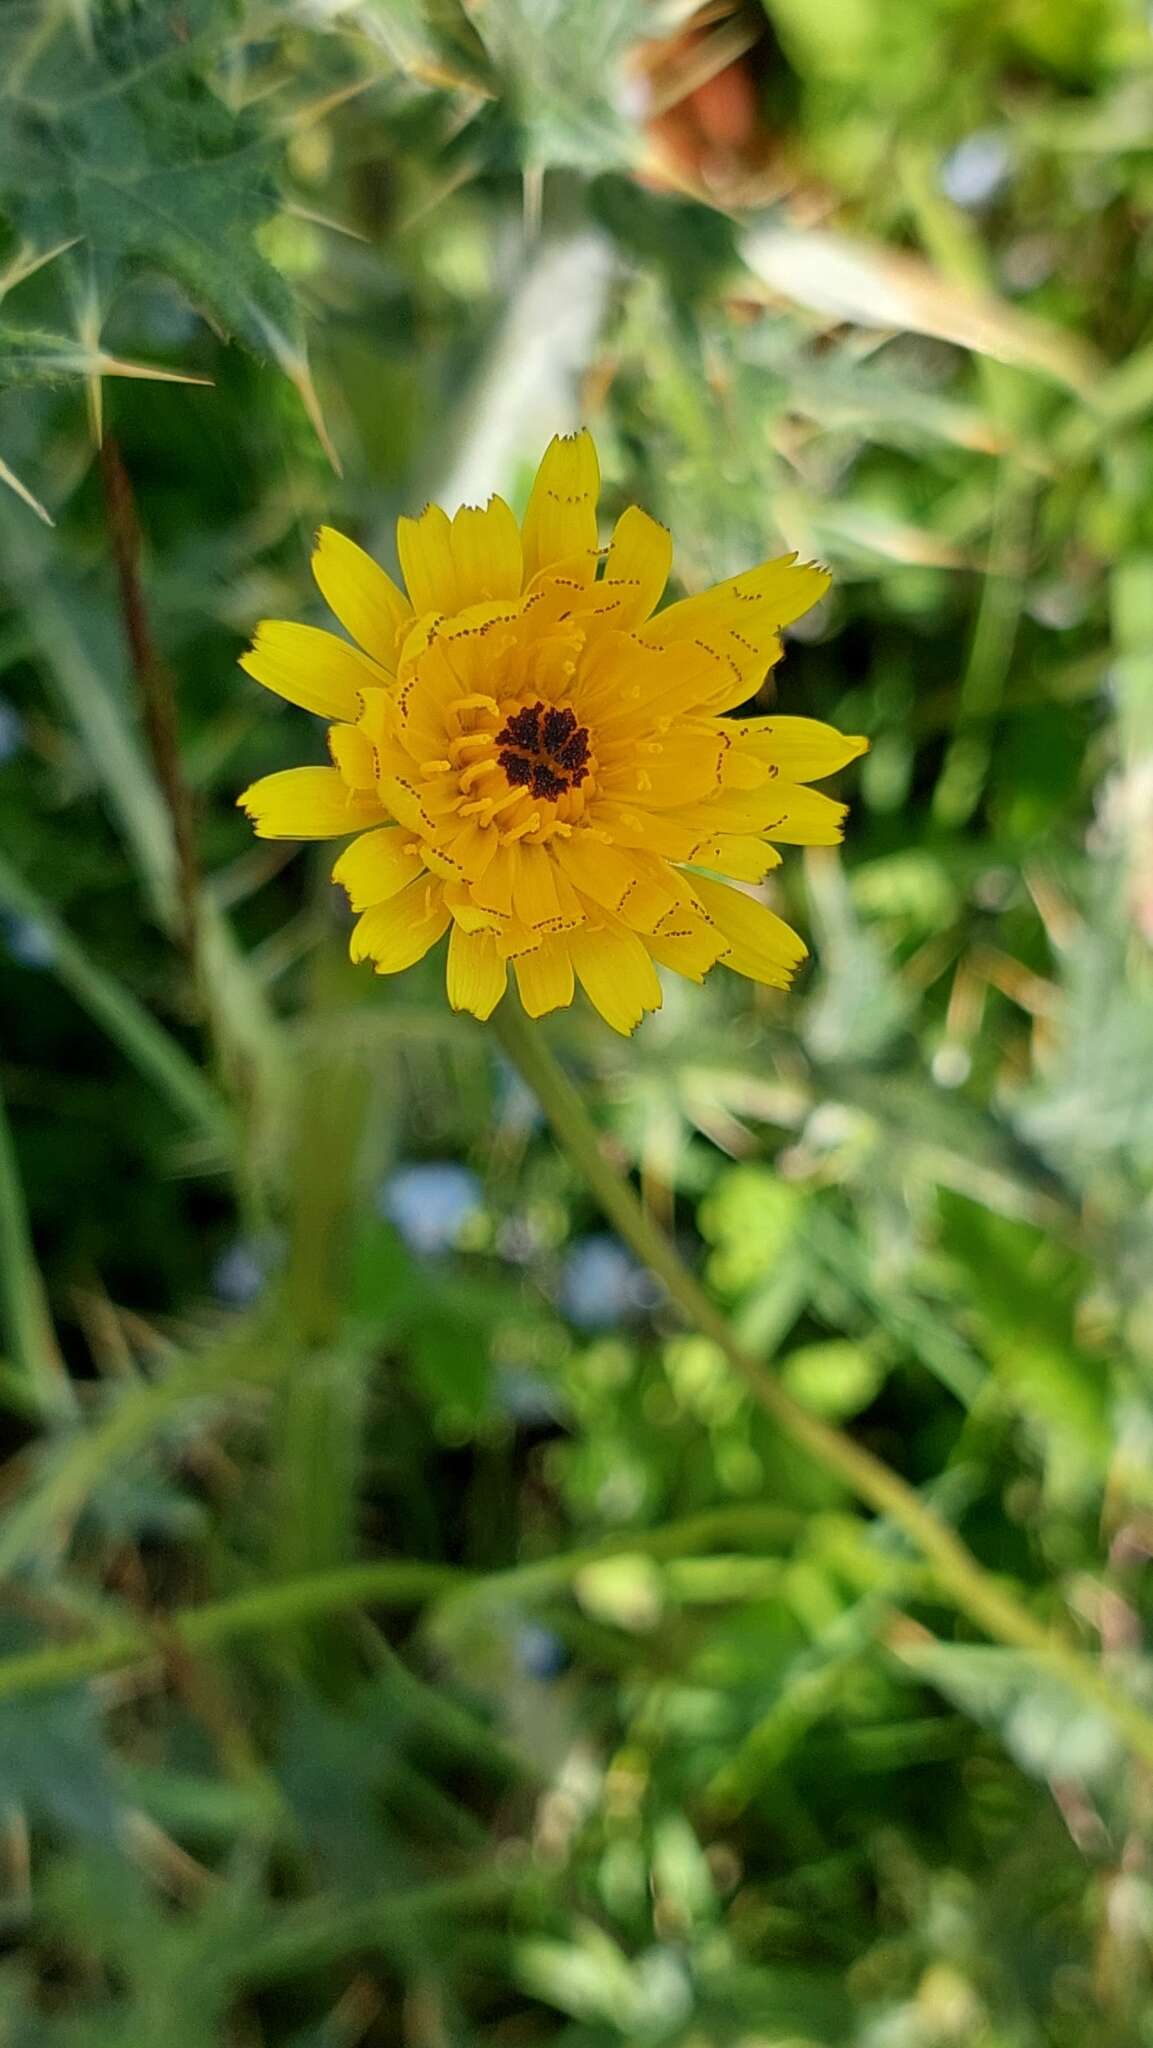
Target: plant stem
[[392, 1584], [975, 1591], [383, 1582]]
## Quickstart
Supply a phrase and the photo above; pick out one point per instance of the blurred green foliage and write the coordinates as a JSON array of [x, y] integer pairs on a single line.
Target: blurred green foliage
[[524, 1686]]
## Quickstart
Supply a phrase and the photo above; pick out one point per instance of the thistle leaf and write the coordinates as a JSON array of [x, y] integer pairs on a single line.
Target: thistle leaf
[[119, 143]]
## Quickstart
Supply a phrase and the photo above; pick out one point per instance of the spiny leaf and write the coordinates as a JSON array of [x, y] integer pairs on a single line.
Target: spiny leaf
[[121, 144], [557, 60], [31, 355], [27, 261], [431, 41]]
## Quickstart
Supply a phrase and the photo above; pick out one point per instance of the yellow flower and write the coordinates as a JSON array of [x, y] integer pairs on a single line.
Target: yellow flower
[[538, 765]]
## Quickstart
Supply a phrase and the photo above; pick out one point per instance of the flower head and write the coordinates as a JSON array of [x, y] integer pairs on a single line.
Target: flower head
[[538, 763]]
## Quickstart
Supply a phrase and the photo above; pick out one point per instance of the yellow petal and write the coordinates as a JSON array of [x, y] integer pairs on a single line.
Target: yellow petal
[[534, 896], [426, 558], [476, 640], [598, 870], [746, 612], [365, 600], [411, 645], [561, 520], [307, 803], [376, 866], [354, 755], [378, 719], [476, 974], [404, 799], [618, 676], [804, 817], [486, 548], [545, 977], [311, 668], [640, 556], [687, 942], [728, 638], [421, 705], [667, 834], [634, 887], [685, 766], [802, 748], [572, 910], [561, 598], [594, 609], [741, 768], [493, 889], [623, 684], [514, 939], [740, 856], [760, 945], [464, 911], [470, 849], [616, 974], [788, 811], [396, 934], [421, 729]]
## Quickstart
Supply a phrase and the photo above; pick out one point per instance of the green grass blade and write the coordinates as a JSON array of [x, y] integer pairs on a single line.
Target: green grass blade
[[24, 1315]]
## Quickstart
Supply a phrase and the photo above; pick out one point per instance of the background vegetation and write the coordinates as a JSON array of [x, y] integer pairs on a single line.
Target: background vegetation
[[410, 1635]]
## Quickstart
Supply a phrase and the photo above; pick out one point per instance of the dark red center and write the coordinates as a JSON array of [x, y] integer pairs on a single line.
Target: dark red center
[[545, 750]]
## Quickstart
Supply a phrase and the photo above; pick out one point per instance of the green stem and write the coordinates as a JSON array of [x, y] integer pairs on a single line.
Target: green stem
[[385, 1582], [972, 1589], [389, 1584]]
